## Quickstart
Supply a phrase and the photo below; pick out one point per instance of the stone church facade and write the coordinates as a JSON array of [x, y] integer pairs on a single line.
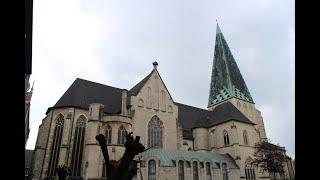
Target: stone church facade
[[185, 142]]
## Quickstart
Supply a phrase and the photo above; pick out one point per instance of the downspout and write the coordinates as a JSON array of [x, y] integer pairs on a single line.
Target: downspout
[[192, 140], [45, 151]]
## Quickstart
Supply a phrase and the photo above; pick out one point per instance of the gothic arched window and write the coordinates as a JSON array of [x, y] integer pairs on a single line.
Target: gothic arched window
[[77, 149], [195, 170], [238, 104], [155, 133], [245, 137], [181, 170], [249, 170], [55, 148], [208, 171], [152, 171], [104, 170], [225, 175], [121, 135], [108, 134], [163, 100], [225, 137]]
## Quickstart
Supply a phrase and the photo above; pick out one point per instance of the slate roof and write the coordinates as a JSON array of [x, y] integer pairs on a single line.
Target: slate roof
[[82, 93], [28, 157], [168, 157], [135, 90], [191, 117]]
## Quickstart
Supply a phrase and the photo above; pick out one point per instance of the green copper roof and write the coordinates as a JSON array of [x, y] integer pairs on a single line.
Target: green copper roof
[[169, 157], [226, 79]]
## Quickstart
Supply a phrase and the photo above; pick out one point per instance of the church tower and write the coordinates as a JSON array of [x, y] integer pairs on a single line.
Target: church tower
[[228, 85]]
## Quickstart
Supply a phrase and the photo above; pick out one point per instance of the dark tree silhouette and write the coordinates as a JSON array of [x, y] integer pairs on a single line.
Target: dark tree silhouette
[[269, 157], [126, 168], [63, 172]]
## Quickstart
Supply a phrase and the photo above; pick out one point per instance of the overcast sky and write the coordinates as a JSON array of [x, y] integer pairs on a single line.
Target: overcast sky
[[114, 42]]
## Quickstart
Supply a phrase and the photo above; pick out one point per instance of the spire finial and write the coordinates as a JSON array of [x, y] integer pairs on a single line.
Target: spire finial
[[155, 64]]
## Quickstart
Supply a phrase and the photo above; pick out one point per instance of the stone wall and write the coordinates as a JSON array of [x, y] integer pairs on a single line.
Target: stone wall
[[151, 94]]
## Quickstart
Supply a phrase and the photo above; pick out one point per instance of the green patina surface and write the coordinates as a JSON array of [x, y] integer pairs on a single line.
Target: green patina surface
[[226, 79], [168, 158]]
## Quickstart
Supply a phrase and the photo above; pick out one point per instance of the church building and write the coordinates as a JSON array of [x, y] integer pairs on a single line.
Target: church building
[[186, 142]]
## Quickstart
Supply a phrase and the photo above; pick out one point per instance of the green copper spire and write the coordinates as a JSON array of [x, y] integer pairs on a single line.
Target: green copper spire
[[218, 29], [226, 79]]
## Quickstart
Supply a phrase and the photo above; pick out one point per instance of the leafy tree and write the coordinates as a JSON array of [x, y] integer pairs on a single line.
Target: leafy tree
[[269, 157]]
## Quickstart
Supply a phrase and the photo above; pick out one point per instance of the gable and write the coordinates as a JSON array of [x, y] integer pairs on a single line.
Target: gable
[[152, 92]]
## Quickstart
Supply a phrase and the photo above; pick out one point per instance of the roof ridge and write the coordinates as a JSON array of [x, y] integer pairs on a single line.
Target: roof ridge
[[191, 106], [136, 88], [98, 83]]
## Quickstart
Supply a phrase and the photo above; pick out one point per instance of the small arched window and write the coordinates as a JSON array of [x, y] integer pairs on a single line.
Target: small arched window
[[140, 103], [152, 171], [195, 170], [108, 134], [238, 104], [155, 133], [148, 97], [170, 110], [121, 135], [104, 170], [245, 137], [163, 100], [208, 171], [224, 167], [181, 170], [78, 145], [226, 138], [55, 148]]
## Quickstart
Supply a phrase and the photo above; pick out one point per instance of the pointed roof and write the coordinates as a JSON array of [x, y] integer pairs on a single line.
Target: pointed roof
[[226, 79], [218, 30]]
